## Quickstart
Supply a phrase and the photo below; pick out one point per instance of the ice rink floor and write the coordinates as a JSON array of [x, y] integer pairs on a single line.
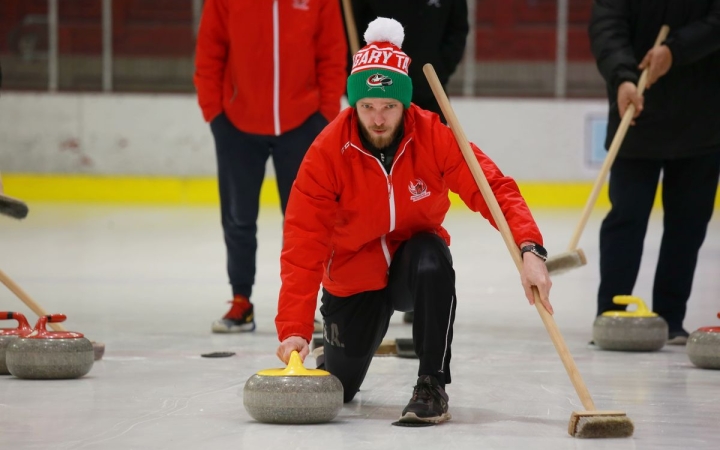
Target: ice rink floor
[[149, 281]]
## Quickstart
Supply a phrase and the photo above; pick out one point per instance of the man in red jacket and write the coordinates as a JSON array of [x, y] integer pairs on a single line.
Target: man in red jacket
[[269, 76], [365, 219]]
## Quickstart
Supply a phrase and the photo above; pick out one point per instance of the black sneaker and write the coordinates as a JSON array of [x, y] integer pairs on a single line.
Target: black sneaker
[[239, 319], [429, 403], [679, 337]]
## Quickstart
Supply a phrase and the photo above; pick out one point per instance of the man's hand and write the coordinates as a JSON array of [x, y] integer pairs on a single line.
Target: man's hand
[[292, 343], [627, 95], [534, 273], [659, 61]]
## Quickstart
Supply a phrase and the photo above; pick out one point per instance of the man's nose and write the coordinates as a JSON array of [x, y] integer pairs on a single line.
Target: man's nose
[[379, 119]]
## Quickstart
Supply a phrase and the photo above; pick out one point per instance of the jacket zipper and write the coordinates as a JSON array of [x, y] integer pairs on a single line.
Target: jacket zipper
[[232, 99], [332, 255], [391, 197], [276, 67]]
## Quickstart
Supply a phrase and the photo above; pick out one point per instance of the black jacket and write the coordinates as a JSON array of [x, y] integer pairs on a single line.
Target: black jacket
[[435, 32], [681, 116]]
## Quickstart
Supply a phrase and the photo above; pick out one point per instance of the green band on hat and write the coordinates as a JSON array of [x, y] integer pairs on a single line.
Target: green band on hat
[[379, 83]]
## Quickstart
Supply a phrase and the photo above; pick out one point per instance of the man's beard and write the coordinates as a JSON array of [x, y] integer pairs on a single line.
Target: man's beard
[[379, 142]]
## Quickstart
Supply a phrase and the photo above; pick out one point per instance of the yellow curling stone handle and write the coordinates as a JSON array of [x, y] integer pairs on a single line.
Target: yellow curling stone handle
[[641, 311], [294, 368]]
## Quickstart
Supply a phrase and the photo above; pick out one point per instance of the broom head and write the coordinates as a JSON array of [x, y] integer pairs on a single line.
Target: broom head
[[564, 262], [12, 207], [600, 424]]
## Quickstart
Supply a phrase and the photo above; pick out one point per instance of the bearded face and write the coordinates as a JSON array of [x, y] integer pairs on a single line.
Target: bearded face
[[380, 120]]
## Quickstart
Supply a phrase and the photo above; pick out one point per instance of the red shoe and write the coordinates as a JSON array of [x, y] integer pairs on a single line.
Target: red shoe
[[239, 319]]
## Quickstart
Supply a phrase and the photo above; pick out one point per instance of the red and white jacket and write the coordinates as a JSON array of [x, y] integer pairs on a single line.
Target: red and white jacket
[[347, 216], [270, 64]]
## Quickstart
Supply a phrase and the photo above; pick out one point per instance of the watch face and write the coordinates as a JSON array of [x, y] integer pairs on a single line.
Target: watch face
[[541, 250]]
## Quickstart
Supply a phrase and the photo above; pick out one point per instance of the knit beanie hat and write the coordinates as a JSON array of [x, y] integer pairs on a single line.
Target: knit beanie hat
[[380, 69]]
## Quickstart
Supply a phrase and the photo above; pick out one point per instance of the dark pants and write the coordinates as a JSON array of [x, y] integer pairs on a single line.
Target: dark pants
[[241, 159], [421, 279], [688, 196]]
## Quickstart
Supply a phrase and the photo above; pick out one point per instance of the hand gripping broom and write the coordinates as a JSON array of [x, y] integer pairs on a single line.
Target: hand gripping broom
[[590, 423], [574, 256]]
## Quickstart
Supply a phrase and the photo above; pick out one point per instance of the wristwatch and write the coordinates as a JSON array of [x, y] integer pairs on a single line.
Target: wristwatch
[[536, 249]]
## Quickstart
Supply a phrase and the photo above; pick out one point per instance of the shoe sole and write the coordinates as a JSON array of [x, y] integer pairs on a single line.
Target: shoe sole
[[413, 418], [679, 340], [224, 329]]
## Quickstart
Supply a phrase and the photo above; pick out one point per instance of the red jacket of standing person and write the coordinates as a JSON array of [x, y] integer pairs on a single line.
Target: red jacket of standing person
[[270, 64], [347, 216]]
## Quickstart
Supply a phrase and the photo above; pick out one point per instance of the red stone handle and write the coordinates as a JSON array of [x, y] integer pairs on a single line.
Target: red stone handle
[[41, 331], [23, 324]]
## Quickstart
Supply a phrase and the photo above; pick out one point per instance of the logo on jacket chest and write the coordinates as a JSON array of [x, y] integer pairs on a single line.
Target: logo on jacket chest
[[301, 4], [418, 190]]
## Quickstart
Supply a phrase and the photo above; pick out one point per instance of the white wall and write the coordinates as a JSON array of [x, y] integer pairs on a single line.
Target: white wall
[[531, 140]]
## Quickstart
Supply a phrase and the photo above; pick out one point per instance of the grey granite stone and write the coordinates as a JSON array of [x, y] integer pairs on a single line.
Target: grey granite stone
[[703, 349], [293, 399], [4, 342], [49, 358], [639, 334]]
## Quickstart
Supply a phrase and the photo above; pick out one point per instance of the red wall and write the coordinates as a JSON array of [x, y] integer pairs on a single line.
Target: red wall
[[507, 30], [140, 27]]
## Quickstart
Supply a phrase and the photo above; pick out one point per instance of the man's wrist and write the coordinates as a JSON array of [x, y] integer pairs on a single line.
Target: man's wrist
[[536, 249]]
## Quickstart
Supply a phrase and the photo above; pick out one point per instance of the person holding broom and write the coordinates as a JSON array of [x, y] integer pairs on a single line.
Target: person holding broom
[[676, 132], [365, 218]]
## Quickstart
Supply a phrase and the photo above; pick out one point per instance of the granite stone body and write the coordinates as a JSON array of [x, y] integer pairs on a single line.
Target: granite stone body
[[638, 334], [293, 399], [50, 358], [703, 348], [4, 342]]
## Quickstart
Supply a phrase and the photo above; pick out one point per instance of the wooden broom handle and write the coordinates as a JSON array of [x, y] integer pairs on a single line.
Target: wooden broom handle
[[350, 27], [502, 225], [613, 151], [22, 295]]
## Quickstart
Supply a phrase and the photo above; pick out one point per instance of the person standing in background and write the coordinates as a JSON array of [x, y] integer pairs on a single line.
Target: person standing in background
[[269, 76], [435, 32], [676, 133]]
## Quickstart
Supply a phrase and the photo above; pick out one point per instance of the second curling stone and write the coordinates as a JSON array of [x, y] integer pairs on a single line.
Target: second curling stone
[[703, 347], [9, 335], [637, 331], [50, 355]]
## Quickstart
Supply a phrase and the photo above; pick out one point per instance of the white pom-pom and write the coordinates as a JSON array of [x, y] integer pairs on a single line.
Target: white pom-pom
[[383, 29]]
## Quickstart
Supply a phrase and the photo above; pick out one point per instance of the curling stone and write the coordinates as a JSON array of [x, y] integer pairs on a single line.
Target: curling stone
[[49, 355], [637, 331], [293, 395], [703, 347], [8, 335]]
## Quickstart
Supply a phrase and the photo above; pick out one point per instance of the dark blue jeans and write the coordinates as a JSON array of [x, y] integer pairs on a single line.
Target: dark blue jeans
[[688, 196], [241, 159]]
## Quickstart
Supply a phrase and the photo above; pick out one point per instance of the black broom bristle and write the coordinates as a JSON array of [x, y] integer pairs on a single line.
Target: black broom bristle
[[13, 207]]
